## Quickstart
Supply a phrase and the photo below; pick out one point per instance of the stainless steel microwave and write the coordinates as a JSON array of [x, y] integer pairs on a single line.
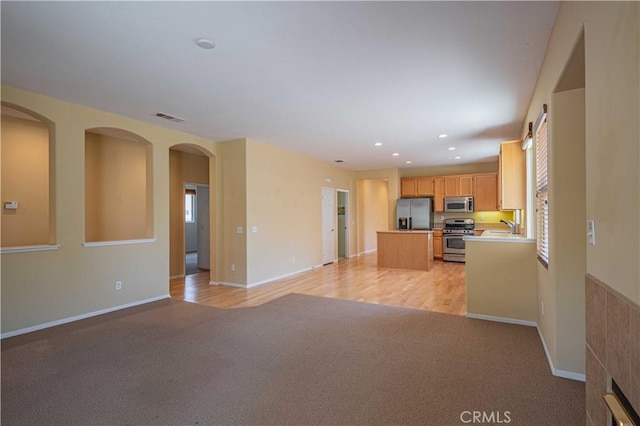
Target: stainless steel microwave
[[458, 204]]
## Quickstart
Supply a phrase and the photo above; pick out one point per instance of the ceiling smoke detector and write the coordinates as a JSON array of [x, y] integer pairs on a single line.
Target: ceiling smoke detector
[[205, 44], [169, 117]]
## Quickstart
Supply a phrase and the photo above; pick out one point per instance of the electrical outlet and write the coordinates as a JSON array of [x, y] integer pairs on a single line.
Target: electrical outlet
[[254, 229], [233, 267], [239, 230], [118, 285]]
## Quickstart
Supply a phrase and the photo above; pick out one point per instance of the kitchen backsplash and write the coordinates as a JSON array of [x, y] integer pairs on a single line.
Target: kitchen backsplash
[[480, 217]]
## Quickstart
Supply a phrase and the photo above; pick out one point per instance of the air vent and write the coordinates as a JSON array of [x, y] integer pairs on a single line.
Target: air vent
[[169, 117], [338, 161]]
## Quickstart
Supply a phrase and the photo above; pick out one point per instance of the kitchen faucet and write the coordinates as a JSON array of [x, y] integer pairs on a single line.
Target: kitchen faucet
[[512, 225]]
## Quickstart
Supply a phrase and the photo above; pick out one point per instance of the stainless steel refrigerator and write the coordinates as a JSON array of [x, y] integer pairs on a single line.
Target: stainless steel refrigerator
[[414, 213]]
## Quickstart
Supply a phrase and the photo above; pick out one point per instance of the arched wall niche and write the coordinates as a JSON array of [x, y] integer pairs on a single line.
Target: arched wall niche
[[27, 143], [118, 186]]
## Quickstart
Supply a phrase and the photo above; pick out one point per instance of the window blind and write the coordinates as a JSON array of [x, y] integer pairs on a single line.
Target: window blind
[[542, 188]]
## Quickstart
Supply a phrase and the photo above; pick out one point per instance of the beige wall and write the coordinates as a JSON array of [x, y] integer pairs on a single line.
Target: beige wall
[[115, 188], [183, 168], [501, 279], [489, 167], [25, 179], [612, 162], [233, 199], [393, 179], [612, 132], [284, 202], [373, 215], [567, 245], [40, 287]]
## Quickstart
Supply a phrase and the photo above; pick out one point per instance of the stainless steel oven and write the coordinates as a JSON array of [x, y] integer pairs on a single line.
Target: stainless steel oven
[[453, 245]]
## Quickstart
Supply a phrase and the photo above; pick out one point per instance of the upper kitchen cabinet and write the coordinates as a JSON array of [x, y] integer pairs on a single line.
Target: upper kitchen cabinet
[[416, 187], [408, 187], [485, 192], [458, 186], [438, 191], [425, 187], [465, 186], [511, 176], [451, 184]]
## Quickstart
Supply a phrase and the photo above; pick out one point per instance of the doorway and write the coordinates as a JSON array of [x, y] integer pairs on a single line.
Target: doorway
[[328, 226], [343, 223], [191, 201], [196, 229]]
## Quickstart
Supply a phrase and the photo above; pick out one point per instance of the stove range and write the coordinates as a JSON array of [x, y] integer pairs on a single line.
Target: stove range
[[453, 249]]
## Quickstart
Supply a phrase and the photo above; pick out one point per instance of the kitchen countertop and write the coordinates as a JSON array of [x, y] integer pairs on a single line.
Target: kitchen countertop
[[406, 231], [499, 237]]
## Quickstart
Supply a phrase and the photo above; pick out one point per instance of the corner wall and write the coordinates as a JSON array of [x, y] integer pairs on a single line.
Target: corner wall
[[284, 203], [612, 170]]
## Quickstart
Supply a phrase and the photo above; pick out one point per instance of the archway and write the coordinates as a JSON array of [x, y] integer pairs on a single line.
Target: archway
[[192, 171]]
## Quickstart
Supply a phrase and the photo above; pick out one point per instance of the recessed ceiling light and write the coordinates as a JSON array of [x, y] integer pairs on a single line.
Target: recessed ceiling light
[[378, 144], [452, 148], [444, 135], [408, 161], [395, 154], [457, 157], [205, 44]]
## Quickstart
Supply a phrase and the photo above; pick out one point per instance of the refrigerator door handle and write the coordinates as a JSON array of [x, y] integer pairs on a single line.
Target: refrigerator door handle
[[410, 223]]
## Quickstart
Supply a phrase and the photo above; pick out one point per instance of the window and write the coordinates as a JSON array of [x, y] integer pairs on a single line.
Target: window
[[542, 188], [190, 206]]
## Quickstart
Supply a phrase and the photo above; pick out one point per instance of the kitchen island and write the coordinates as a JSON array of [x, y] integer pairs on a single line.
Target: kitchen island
[[405, 249]]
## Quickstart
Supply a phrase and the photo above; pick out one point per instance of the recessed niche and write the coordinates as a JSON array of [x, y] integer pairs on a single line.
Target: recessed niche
[[118, 186], [27, 183]]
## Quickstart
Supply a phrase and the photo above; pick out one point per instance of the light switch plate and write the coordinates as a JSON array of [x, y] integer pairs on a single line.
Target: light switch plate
[[254, 229], [239, 230], [591, 232]]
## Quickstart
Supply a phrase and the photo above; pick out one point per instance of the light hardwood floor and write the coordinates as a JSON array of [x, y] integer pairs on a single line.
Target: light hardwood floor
[[441, 290]]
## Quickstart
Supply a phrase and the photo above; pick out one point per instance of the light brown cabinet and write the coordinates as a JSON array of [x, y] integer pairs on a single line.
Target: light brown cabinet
[[408, 187], [438, 194], [451, 184], [482, 186], [465, 186], [458, 186], [485, 192], [425, 186], [511, 176], [437, 243]]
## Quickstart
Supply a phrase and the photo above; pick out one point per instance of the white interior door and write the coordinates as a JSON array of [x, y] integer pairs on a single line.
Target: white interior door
[[328, 226], [202, 218]]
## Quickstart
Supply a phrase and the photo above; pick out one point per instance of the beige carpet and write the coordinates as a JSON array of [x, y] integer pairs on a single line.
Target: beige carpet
[[296, 360]]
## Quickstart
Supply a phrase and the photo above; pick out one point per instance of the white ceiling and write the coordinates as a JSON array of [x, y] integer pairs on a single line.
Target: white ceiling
[[327, 79]]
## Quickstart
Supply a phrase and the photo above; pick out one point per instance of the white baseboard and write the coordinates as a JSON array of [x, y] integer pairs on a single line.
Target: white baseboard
[[173, 277], [502, 319], [268, 280], [559, 373], [80, 317], [362, 253]]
